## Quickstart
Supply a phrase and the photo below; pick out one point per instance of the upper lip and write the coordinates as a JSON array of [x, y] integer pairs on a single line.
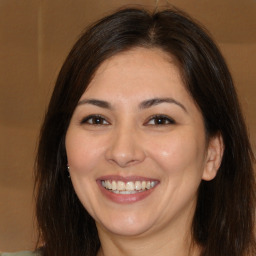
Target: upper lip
[[126, 178]]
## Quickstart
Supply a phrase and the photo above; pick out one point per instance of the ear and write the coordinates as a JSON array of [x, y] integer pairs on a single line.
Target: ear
[[214, 157]]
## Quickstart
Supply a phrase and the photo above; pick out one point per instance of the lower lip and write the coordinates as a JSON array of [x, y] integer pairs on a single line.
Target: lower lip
[[125, 198]]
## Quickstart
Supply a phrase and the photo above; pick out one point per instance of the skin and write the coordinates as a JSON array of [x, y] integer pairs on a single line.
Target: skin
[[127, 141]]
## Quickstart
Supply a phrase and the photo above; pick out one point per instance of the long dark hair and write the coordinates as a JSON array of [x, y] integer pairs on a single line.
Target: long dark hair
[[223, 223]]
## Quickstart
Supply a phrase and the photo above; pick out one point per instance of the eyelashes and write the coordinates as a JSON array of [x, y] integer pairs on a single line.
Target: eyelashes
[[159, 120], [154, 120], [95, 120]]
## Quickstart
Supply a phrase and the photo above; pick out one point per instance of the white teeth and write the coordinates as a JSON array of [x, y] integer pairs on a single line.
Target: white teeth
[[128, 192], [114, 185], [130, 187], [120, 185], [143, 184], [137, 185], [108, 184], [153, 183]]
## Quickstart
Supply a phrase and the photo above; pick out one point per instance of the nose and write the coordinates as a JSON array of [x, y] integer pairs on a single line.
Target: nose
[[126, 148]]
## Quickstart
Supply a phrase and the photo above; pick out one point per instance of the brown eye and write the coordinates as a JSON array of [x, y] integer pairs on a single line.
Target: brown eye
[[95, 120], [160, 120]]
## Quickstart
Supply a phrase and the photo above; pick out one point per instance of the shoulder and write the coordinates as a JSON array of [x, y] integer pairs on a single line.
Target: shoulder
[[23, 253]]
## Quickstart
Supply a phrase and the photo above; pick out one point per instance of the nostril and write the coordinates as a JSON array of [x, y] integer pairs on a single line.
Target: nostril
[[124, 149], [125, 159], [122, 161]]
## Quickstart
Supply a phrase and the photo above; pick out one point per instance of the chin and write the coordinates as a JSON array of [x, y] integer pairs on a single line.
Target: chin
[[126, 226]]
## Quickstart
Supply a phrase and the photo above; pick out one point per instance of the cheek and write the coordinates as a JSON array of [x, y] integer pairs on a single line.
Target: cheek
[[178, 153], [83, 152]]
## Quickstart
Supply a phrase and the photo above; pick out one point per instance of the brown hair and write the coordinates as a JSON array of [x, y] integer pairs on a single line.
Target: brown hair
[[223, 223]]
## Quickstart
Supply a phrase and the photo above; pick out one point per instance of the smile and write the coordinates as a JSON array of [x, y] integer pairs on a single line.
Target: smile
[[129, 187]]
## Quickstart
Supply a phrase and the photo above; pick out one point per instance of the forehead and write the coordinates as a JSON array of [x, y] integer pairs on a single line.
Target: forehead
[[137, 70]]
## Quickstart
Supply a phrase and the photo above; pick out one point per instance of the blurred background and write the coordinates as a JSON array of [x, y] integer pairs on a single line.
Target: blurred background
[[36, 36]]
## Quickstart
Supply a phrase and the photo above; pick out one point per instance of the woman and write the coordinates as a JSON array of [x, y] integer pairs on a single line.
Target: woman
[[144, 148]]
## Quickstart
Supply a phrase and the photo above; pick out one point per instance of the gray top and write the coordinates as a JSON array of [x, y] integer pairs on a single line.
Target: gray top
[[23, 253]]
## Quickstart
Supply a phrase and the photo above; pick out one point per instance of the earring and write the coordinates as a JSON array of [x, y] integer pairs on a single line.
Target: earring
[[68, 171]]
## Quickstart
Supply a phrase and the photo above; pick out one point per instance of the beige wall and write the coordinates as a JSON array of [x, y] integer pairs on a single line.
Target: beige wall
[[35, 37]]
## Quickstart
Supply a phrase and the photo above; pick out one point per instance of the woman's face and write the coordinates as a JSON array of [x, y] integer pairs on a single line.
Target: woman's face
[[136, 146]]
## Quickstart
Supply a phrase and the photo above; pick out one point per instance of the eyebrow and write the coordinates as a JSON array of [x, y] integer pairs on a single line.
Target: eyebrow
[[143, 105], [156, 101], [95, 102]]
